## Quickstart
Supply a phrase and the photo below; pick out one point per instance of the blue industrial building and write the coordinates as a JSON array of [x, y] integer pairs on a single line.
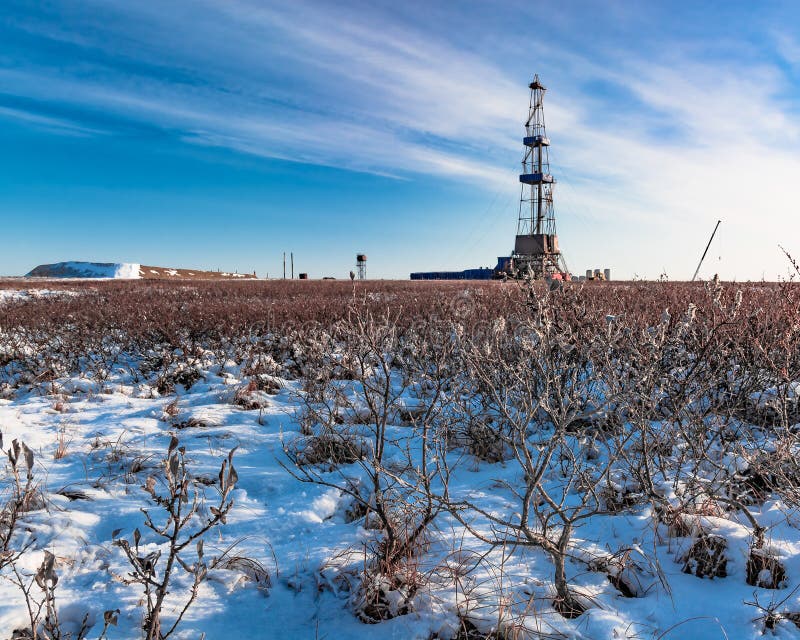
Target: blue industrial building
[[484, 273], [467, 274]]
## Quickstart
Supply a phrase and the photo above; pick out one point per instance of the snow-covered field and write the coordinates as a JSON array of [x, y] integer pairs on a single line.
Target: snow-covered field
[[299, 551], [295, 529]]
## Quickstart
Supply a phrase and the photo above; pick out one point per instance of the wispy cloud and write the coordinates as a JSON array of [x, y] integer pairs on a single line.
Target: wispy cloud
[[671, 139], [56, 125], [382, 107]]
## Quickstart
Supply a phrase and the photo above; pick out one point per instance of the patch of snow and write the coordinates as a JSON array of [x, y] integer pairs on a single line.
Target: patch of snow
[[16, 295]]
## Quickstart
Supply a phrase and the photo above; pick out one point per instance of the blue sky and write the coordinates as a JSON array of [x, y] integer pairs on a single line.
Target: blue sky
[[220, 133]]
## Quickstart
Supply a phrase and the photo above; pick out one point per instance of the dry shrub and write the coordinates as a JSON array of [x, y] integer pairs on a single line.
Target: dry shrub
[[793, 617], [708, 349], [314, 388], [373, 595], [266, 383], [706, 557], [678, 525], [774, 612], [328, 447], [361, 509], [776, 472], [616, 500], [353, 415], [389, 582], [190, 423], [165, 386], [410, 415], [768, 414], [249, 397], [187, 377], [171, 408], [764, 570], [484, 441], [172, 523], [569, 608], [379, 598], [624, 573], [25, 494]]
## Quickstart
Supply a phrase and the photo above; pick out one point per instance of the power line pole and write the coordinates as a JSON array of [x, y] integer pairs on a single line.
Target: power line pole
[[292, 256], [284, 265]]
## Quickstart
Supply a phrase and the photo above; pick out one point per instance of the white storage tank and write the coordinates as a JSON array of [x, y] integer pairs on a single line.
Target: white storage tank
[[607, 273]]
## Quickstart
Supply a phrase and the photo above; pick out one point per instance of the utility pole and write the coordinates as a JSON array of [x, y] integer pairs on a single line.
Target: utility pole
[[284, 265], [292, 256]]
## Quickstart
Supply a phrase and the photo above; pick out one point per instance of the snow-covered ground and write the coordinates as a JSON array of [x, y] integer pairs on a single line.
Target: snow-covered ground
[[96, 443], [112, 435], [289, 527]]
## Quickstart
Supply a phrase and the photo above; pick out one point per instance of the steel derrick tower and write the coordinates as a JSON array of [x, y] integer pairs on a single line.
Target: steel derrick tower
[[536, 249]]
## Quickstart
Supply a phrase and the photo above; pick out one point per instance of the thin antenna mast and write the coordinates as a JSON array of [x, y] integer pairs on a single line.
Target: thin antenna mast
[[700, 264]]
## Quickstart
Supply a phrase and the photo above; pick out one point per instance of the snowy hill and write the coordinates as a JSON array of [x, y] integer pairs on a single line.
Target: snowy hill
[[128, 271], [120, 270]]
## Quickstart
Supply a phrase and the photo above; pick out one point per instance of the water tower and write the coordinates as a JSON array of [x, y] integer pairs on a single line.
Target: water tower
[[361, 266]]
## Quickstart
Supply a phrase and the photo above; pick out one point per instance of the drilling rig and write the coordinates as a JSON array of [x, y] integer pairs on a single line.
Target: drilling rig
[[536, 251]]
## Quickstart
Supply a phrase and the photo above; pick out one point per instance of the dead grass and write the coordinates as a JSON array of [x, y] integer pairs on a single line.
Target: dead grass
[[62, 444], [250, 570]]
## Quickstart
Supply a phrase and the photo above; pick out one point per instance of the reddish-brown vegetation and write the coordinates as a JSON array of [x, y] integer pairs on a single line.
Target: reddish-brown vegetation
[[678, 401]]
